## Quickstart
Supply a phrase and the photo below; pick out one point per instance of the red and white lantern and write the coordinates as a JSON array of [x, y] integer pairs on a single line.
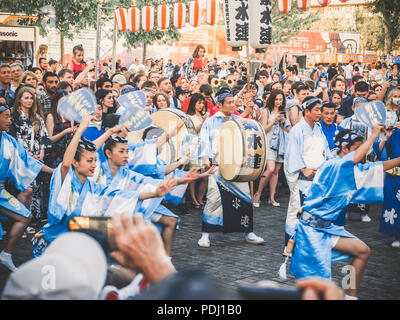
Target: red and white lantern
[[134, 19], [179, 15], [363, 52], [348, 51], [163, 15], [121, 18], [324, 3], [284, 6], [303, 4], [344, 1], [194, 13], [306, 45], [395, 53], [333, 50], [147, 18], [212, 12], [320, 48], [379, 53]]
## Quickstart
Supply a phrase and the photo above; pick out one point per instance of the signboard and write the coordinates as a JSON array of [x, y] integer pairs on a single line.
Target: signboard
[[16, 33]]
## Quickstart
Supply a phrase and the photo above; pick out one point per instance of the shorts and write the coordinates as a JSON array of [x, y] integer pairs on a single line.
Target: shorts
[[334, 240], [155, 217]]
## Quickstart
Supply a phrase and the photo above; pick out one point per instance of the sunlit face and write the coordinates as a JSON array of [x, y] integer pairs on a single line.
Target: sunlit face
[[38, 75], [199, 105], [194, 86], [119, 154], [79, 56], [184, 84], [228, 106], [154, 77], [275, 78], [328, 116], [69, 77], [86, 166], [201, 52], [263, 80], [16, 73], [314, 114], [108, 101], [161, 102], [340, 86], [44, 64], [378, 89], [5, 120], [166, 86], [336, 99], [301, 95], [31, 80], [287, 89], [5, 75], [26, 100], [149, 98], [278, 101], [51, 84]]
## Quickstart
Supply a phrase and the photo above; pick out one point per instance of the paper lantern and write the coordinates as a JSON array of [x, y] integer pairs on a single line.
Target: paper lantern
[[121, 18], [320, 48], [324, 3], [236, 17], [348, 51], [134, 19], [284, 6], [303, 4], [212, 12], [364, 52], [163, 19], [179, 15], [194, 13], [260, 28], [379, 53], [344, 1], [306, 45], [147, 18], [291, 43], [395, 53], [333, 50]]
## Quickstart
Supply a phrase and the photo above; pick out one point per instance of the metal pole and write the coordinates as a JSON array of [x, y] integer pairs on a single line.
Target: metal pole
[[114, 47], [98, 37]]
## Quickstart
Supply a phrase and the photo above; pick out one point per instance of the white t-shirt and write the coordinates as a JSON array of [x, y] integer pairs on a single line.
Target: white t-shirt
[[348, 70]]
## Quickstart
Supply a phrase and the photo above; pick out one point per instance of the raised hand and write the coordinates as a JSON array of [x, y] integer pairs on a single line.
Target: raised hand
[[191, 176], [185, 159], [165, 187], [85, 122], [178, 127]]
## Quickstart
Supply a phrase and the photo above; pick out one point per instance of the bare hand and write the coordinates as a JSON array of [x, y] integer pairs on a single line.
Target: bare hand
[[191, 176], [377, 130], [207, 164], [178, 127], [308, 173], [210, 171], [85, 122], [120, 129], [140, 247], [314, 287], [185, 159], [165, 187]]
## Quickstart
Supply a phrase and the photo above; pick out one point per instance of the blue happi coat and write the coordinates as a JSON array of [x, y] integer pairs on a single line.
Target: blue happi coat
[[20, 168], [338, 183]]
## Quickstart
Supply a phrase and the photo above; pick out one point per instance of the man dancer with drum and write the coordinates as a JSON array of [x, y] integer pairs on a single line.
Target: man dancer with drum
[[228, 207], [306, 150]]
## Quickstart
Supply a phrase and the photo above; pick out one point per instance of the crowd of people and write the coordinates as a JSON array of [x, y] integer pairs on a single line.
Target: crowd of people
[[306, 123]]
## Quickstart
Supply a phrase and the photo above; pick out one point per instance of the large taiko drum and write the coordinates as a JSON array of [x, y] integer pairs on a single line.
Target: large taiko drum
[[241, 150], [165, 120]]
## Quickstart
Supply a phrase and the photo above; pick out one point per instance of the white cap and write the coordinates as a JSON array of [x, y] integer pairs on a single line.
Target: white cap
[[73, 267], [119, 78]]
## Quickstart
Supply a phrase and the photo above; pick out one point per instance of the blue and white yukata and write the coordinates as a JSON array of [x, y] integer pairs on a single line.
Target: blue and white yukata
[[306, 148], [143, 158], [18, 167], [69, 198], [337, 183], [229, 205], [352, 123], [390, 220]]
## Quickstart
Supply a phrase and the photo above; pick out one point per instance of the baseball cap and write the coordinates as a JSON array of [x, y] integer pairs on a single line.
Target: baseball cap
[[120, 79], [73, 267]]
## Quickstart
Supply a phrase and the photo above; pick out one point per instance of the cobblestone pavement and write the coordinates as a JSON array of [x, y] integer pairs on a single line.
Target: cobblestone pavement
[[232, 262]]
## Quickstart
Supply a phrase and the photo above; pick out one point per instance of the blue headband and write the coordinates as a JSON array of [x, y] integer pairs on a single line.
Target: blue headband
[[346, 140], [4, 107], [308, 103], [223, 96]]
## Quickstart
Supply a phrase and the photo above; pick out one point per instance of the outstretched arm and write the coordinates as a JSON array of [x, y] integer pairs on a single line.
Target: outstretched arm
[[362, 151]]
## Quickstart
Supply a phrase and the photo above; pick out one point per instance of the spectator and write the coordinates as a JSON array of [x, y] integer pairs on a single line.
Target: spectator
[[41, 53], [38, 73], [43, 65], [77, 62], [16, 70], [28, 77], [197, 62], [118, 80], [50, 81], [161, 101], [165, 86], [66, 75], [5, 84]]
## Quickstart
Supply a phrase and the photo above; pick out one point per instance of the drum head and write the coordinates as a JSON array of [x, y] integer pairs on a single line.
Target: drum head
[[167, 120], [231, 150]]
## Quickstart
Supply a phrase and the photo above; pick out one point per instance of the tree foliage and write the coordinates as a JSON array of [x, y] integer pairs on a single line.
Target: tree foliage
[[389, 11], [286, 25]]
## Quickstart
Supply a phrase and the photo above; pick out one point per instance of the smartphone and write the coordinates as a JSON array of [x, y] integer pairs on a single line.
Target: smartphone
[[269, 291]]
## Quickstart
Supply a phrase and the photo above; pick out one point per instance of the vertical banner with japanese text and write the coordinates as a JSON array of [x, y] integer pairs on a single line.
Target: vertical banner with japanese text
[[236, 14]]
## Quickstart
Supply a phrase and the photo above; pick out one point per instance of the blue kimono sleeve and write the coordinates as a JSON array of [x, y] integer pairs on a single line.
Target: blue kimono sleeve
[[294, 151], [206, 136]]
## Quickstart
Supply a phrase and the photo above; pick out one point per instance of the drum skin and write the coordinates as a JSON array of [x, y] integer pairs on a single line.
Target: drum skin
[[166, 120], [242, 150]]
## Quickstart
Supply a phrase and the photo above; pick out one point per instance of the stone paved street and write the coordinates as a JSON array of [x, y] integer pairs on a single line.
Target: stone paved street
[[232, 262]]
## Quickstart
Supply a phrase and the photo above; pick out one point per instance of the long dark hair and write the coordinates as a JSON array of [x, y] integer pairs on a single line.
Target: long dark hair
[[270, 104], [60, 93], [192, 104]]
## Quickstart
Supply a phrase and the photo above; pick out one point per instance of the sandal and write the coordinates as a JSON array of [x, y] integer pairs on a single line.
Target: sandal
[[24, 236]]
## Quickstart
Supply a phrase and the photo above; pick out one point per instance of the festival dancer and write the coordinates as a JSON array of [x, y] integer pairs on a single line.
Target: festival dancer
[[113, 160], [389, 148], [338, 182], [21, 169], [73, 194], [306, 150], [229, 205]]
